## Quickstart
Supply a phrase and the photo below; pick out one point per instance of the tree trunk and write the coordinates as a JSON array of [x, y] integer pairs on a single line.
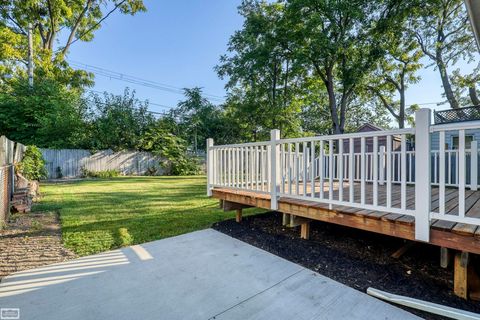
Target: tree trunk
[[401, 115], [332, 103], [447, 87], [473, 95]]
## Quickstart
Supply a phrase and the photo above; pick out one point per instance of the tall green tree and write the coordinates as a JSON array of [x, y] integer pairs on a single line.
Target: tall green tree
[[395, 72], [444, 35], [338, 42], [57, 24], [261, 72], [47, 115], [118, 122]]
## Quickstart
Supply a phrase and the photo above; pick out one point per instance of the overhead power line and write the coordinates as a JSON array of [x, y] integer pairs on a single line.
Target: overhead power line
[[144, 101], [137, 80]]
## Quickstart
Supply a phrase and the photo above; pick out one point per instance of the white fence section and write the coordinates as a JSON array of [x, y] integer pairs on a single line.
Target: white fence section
[[342, 169], [71, 161]]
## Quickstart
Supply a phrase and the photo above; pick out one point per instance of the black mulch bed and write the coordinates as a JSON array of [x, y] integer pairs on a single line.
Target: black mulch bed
[[355, 258]]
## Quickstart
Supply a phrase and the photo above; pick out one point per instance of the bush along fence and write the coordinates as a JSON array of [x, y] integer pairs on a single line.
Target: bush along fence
[[77, 163], [10, 153]]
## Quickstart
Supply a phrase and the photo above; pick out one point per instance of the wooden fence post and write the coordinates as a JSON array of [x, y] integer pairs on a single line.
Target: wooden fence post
[[275, 168], [474, 166], [3, 151], [209, 166], [422, 174]]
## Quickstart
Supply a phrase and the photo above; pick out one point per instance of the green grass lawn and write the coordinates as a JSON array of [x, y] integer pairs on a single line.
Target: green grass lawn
[[92, 212]]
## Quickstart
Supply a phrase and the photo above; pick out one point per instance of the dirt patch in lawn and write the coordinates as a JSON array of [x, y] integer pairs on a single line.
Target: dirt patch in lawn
[[30, 241], [355, 258]]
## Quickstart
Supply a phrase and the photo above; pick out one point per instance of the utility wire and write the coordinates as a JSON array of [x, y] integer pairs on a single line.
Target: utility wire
[[137, 80], [144, 101]]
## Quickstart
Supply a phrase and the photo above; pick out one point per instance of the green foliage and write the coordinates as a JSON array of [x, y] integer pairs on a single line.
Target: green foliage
[[171, 148], [56, 26], [445, 37], [32, 165], [152, 171], [106, 174], [118, 122], [125, 238], [47, 115], [59, 173]]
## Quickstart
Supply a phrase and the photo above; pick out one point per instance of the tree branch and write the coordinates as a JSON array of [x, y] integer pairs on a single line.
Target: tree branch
[[96, 24], [75, 26]]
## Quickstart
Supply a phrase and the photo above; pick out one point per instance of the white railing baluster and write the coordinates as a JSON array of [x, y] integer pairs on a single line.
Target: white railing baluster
[[242, 172], [474, 165], [340, 170], [289, 168], [252, 167], [381, 178], [351, 174], [461, 173], [441, 182], [297, 169], [362, 170], [312, 169], [403, 180], [322, 170], [282, 166], [305, 167], [330, 170], [375, 170], [389, 171]]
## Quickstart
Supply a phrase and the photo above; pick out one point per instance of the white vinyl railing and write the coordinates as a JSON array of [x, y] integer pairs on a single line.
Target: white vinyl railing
[[377, 171]]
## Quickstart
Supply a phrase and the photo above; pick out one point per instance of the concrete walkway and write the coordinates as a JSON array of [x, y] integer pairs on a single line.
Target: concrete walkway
[[200, 275]]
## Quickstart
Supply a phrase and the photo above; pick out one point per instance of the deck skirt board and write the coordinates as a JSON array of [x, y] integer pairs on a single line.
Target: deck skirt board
[[443, 233]]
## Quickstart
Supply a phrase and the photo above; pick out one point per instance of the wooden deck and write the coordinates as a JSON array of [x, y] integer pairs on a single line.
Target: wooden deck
[[446, 234]]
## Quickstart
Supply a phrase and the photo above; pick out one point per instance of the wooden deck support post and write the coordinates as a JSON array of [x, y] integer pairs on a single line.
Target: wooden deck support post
[[238, 215], [285, 219], [305, 230], [466, 281], [422, 175], [445, 257], [460, 281]]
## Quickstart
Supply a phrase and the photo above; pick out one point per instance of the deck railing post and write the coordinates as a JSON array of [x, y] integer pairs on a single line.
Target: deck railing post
[[210, 166], [422, 174], [474, 165], [275, 168]]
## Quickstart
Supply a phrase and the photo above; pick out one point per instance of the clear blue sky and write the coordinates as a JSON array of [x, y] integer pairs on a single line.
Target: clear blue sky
[[178, 43]]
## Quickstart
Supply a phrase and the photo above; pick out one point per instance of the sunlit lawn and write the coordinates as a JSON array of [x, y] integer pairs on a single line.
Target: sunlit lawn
[[150, 208]]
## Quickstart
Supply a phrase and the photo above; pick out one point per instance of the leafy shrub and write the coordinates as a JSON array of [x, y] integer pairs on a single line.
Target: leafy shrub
[[172, 149], [59, 173], [85, 173], [151, 171], [32, 165], [125, 238]]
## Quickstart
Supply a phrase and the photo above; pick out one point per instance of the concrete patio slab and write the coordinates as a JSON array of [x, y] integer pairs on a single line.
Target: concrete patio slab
[[200, 275]]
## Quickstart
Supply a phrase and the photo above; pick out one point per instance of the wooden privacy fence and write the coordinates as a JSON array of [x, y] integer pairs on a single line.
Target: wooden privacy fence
[[69, 162], [10, 153], [339, 170]]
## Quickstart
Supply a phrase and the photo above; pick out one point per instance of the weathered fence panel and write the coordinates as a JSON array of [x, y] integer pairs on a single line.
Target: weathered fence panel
[[7, 177], [69, 162]]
